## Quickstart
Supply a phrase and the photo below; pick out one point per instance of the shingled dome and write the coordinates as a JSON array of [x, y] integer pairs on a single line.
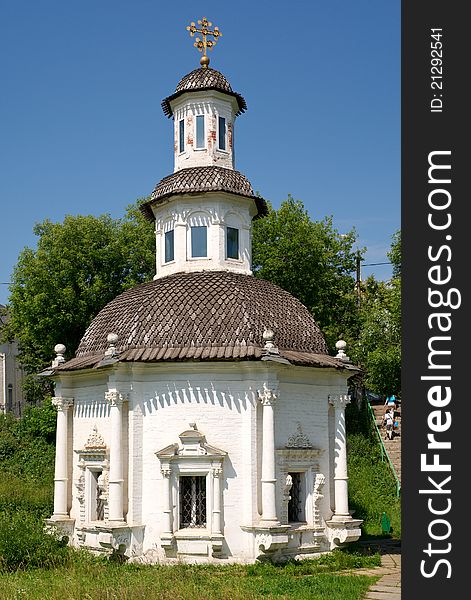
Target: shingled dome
[[209, 315], [203, 179], [203, 79]]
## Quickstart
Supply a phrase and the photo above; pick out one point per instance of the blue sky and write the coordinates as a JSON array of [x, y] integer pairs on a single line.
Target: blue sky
[[82, 130]]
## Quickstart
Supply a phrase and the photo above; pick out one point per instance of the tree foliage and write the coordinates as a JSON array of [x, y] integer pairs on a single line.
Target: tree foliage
[[78, 266], [377, 347], [312, 261]]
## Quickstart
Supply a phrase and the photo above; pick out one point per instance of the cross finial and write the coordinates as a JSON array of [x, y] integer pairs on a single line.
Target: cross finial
[[204, 43]]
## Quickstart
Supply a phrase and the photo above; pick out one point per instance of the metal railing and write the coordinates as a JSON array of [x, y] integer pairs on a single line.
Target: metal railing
[[384, 452]]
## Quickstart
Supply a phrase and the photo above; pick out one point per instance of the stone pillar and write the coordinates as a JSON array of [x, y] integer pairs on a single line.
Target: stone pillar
[[115, 501], [340, 473], [167, 503], [268, 397], [60, 472], [217, 474]]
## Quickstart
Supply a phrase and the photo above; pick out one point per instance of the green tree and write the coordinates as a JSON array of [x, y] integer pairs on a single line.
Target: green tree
[[377, 348], [312, 261], [78, 267]]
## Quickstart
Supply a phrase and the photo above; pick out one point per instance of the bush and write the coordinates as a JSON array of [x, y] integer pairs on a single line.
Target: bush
[[24, 543]]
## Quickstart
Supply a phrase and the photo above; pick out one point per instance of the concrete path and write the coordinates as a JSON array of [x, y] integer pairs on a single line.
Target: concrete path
[[388, 587]]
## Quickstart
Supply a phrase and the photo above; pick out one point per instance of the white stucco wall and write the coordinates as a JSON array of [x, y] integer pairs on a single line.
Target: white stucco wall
[[221, 401]]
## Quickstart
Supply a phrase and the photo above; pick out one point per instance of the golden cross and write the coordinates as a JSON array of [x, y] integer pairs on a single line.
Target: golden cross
[[204, 43]]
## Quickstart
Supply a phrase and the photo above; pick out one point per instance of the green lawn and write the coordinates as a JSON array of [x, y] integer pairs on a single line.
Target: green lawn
[[97, 580]]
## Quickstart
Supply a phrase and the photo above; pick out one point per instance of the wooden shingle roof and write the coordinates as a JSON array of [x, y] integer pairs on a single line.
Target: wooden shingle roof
[[208, 315], [203, 79], [195, 180]]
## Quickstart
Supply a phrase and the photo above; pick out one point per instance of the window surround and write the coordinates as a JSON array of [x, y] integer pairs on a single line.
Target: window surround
[[92, 459], [193, 456]]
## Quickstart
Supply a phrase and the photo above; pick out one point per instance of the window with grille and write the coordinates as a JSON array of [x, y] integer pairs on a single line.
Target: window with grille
[[192, 501], [296, 501]]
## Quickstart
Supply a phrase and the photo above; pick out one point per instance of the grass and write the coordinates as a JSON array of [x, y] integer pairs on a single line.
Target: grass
[[372, 488], [88, 578]]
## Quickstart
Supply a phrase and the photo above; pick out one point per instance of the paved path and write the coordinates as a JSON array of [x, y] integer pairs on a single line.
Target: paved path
[[388, 587]]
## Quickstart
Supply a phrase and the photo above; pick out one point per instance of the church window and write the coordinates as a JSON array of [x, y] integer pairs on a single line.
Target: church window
[[296, 501], [222, 133], [181, 136], [200, 131], [192, 501], [232, 242], [169, 246], [199, 241]]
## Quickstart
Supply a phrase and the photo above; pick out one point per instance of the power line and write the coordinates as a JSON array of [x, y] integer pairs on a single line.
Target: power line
[[375, 264]]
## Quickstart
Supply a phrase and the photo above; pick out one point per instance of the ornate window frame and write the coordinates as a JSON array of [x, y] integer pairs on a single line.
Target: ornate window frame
[[193, 456], [92, 458]]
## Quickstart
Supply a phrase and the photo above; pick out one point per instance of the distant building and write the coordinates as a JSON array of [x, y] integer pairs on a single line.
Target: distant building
[[11, 375]]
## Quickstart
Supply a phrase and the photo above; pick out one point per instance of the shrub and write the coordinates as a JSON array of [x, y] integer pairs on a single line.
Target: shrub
[[25, 544]]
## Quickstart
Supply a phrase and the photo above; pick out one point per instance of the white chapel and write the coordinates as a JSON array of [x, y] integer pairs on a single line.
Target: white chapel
[[202, 418]]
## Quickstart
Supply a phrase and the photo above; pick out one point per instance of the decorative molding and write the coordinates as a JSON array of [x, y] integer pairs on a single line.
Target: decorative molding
[[115, 398], [268, 396], [62, 404], [339, 401], [319, 481], [298, 439], [95, 441]]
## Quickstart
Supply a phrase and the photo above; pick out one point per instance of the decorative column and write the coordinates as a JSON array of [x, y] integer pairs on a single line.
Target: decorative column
[[268, 397], [217, 474], [167, 532], [60, 472], [116, 480], [340, 472]]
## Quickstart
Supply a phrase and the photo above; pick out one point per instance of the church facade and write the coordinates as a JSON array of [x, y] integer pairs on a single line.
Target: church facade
[[202, 418]]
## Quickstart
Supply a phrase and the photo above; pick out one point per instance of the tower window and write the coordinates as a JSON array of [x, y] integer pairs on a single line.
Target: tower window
[[232, 242], [169, 246], [192, 501], [181, 136], [200, 131], [222, 133], [199, 241], [296, 501]]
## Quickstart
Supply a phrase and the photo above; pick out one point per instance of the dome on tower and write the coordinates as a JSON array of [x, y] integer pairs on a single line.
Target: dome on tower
[[203, 79], [209, 315]]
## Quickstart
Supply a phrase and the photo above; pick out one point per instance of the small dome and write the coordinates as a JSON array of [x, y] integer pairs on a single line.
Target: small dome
[[208, 315], [203, 179], [203, 79]]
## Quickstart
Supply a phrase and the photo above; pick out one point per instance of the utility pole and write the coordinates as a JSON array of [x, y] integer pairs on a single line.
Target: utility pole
[[358, 279]]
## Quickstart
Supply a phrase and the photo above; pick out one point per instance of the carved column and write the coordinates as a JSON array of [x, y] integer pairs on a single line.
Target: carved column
[[116, 480], [60, 472], [340, 472], [217, 474], [268, 397], [167, 503]]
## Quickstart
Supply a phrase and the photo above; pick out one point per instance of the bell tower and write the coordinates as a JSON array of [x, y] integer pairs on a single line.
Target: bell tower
[[203, 212]]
